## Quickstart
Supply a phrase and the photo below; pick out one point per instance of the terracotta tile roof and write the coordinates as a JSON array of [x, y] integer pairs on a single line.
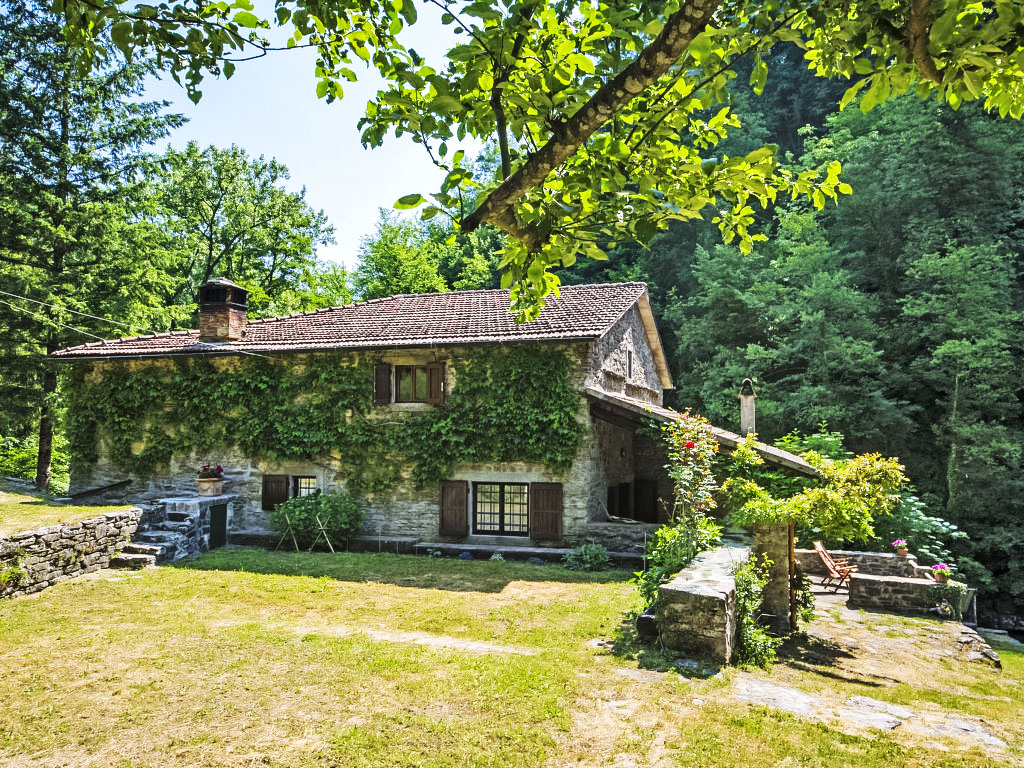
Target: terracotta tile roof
[[414, 320]]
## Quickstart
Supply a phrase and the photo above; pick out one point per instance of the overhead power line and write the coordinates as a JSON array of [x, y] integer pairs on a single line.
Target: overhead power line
[[141, 331]]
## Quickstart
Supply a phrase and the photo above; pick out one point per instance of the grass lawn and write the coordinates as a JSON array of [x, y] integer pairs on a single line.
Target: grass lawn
[[249, 658], [21, 511]]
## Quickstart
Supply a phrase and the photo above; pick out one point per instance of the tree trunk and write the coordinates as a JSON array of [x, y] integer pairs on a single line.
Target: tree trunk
[[44, 459]]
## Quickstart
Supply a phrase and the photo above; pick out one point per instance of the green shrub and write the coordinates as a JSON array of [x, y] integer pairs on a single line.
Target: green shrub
[[18, 459], [672, 549], [340, 513], [588, 557], [754, 646], [948, 598], [804, 595]]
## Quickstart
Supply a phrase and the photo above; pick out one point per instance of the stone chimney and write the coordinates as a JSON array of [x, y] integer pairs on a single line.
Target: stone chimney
[[747, 397], [222, 307]]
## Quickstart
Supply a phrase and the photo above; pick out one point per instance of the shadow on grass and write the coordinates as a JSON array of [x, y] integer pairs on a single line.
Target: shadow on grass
[[628, 645], [808, 653], [449, 574]]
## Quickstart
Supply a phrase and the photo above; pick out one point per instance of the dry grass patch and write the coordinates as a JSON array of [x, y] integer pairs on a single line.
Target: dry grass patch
[[25, 512]]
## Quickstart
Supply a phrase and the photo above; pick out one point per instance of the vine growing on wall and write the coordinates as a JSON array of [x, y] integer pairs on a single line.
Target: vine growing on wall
[[508, 404]]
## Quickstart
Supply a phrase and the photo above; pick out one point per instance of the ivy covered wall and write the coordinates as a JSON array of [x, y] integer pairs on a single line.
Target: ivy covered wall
[[508, 404]]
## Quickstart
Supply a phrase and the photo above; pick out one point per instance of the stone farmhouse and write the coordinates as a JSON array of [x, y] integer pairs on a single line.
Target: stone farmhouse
[[456, 424]]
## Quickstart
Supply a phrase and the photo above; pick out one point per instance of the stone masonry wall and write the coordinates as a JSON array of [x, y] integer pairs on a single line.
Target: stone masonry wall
[[696, 611], [34, 560], [774, 544], [621, 537], [898, 594], [873, 563], [608, 361], [403, 510]]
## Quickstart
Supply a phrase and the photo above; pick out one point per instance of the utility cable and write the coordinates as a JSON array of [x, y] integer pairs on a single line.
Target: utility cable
[[103, 320]]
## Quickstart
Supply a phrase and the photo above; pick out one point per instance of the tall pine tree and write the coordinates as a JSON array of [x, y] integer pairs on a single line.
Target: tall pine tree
[[72, 152]]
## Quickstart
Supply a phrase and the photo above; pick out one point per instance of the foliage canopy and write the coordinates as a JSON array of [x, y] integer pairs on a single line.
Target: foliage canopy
[[607, 115]]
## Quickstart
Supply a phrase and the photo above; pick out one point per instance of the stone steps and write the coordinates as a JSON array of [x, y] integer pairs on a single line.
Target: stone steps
[[159, 551], [181, 517], [132, 562]]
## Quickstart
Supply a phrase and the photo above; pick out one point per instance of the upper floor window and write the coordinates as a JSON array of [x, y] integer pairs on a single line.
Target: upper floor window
[[408, 383], [629, 364]]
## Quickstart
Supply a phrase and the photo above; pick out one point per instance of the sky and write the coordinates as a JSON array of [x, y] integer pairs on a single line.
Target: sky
[[269, 107]]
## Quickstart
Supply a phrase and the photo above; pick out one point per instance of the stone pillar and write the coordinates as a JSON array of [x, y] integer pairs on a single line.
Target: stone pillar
[[747, 398], [774, 542]]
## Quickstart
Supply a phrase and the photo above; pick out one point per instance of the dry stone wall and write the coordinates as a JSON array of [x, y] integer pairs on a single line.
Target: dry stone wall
[[874, 563], [898, 594], [34, 560]]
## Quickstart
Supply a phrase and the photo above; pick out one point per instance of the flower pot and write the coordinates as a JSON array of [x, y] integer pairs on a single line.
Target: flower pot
[[903, 551], [211, 486], [940, 576]]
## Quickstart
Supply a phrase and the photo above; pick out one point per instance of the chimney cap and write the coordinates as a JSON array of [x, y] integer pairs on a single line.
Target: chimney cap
[[222, 282], [221, 291]]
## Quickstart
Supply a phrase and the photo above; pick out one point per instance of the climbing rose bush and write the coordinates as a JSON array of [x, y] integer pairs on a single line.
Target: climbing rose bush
[[692, 448]]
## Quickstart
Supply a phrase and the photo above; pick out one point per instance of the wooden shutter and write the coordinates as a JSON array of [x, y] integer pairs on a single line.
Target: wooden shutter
[[546, 511], [435, 383], [382, 384], [275, 491], [454, 506]]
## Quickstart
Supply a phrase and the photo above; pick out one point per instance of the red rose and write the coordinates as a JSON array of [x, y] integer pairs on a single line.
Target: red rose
[[690, 444]]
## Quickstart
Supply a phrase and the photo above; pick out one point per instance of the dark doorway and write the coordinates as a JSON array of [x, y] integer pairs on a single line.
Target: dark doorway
[[645, 500], [218, 525]]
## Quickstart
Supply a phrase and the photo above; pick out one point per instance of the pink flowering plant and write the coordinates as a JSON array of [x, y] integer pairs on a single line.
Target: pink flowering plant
[[941, 567], [210, 471], [899, 544]]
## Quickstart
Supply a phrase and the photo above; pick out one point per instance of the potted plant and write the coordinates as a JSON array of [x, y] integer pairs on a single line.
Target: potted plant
[[941, 572], [900, 545], [211, 480]]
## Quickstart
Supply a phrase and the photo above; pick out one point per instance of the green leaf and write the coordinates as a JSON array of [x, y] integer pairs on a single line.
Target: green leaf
[[247, 19], [409, 201], [408, 11], [877, 93]]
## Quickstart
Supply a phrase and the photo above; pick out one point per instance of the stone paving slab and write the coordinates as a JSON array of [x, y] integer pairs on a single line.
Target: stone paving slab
[[860, 712]]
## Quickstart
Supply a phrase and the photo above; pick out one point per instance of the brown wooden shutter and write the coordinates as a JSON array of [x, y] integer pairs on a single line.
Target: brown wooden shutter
[[454, 506], [546, 511], [382, 384], [275, 491], [435, 383]]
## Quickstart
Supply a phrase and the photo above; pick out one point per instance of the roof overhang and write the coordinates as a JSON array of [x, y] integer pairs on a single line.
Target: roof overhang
[[654, 341], [626, 411]]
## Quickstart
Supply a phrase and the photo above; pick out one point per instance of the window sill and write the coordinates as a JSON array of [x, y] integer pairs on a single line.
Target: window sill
[[411, 407]]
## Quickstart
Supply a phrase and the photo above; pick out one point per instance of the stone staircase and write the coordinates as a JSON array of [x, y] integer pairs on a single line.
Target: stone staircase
[[173, 531], [135, 556]]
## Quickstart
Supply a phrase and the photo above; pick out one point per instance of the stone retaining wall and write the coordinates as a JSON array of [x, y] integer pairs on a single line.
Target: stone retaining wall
[[34, 560], [696, 611], [873, 563], [896, 594], [627, 536]]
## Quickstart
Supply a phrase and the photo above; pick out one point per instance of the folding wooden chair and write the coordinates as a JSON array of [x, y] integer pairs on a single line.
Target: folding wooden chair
[[837, 572]]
